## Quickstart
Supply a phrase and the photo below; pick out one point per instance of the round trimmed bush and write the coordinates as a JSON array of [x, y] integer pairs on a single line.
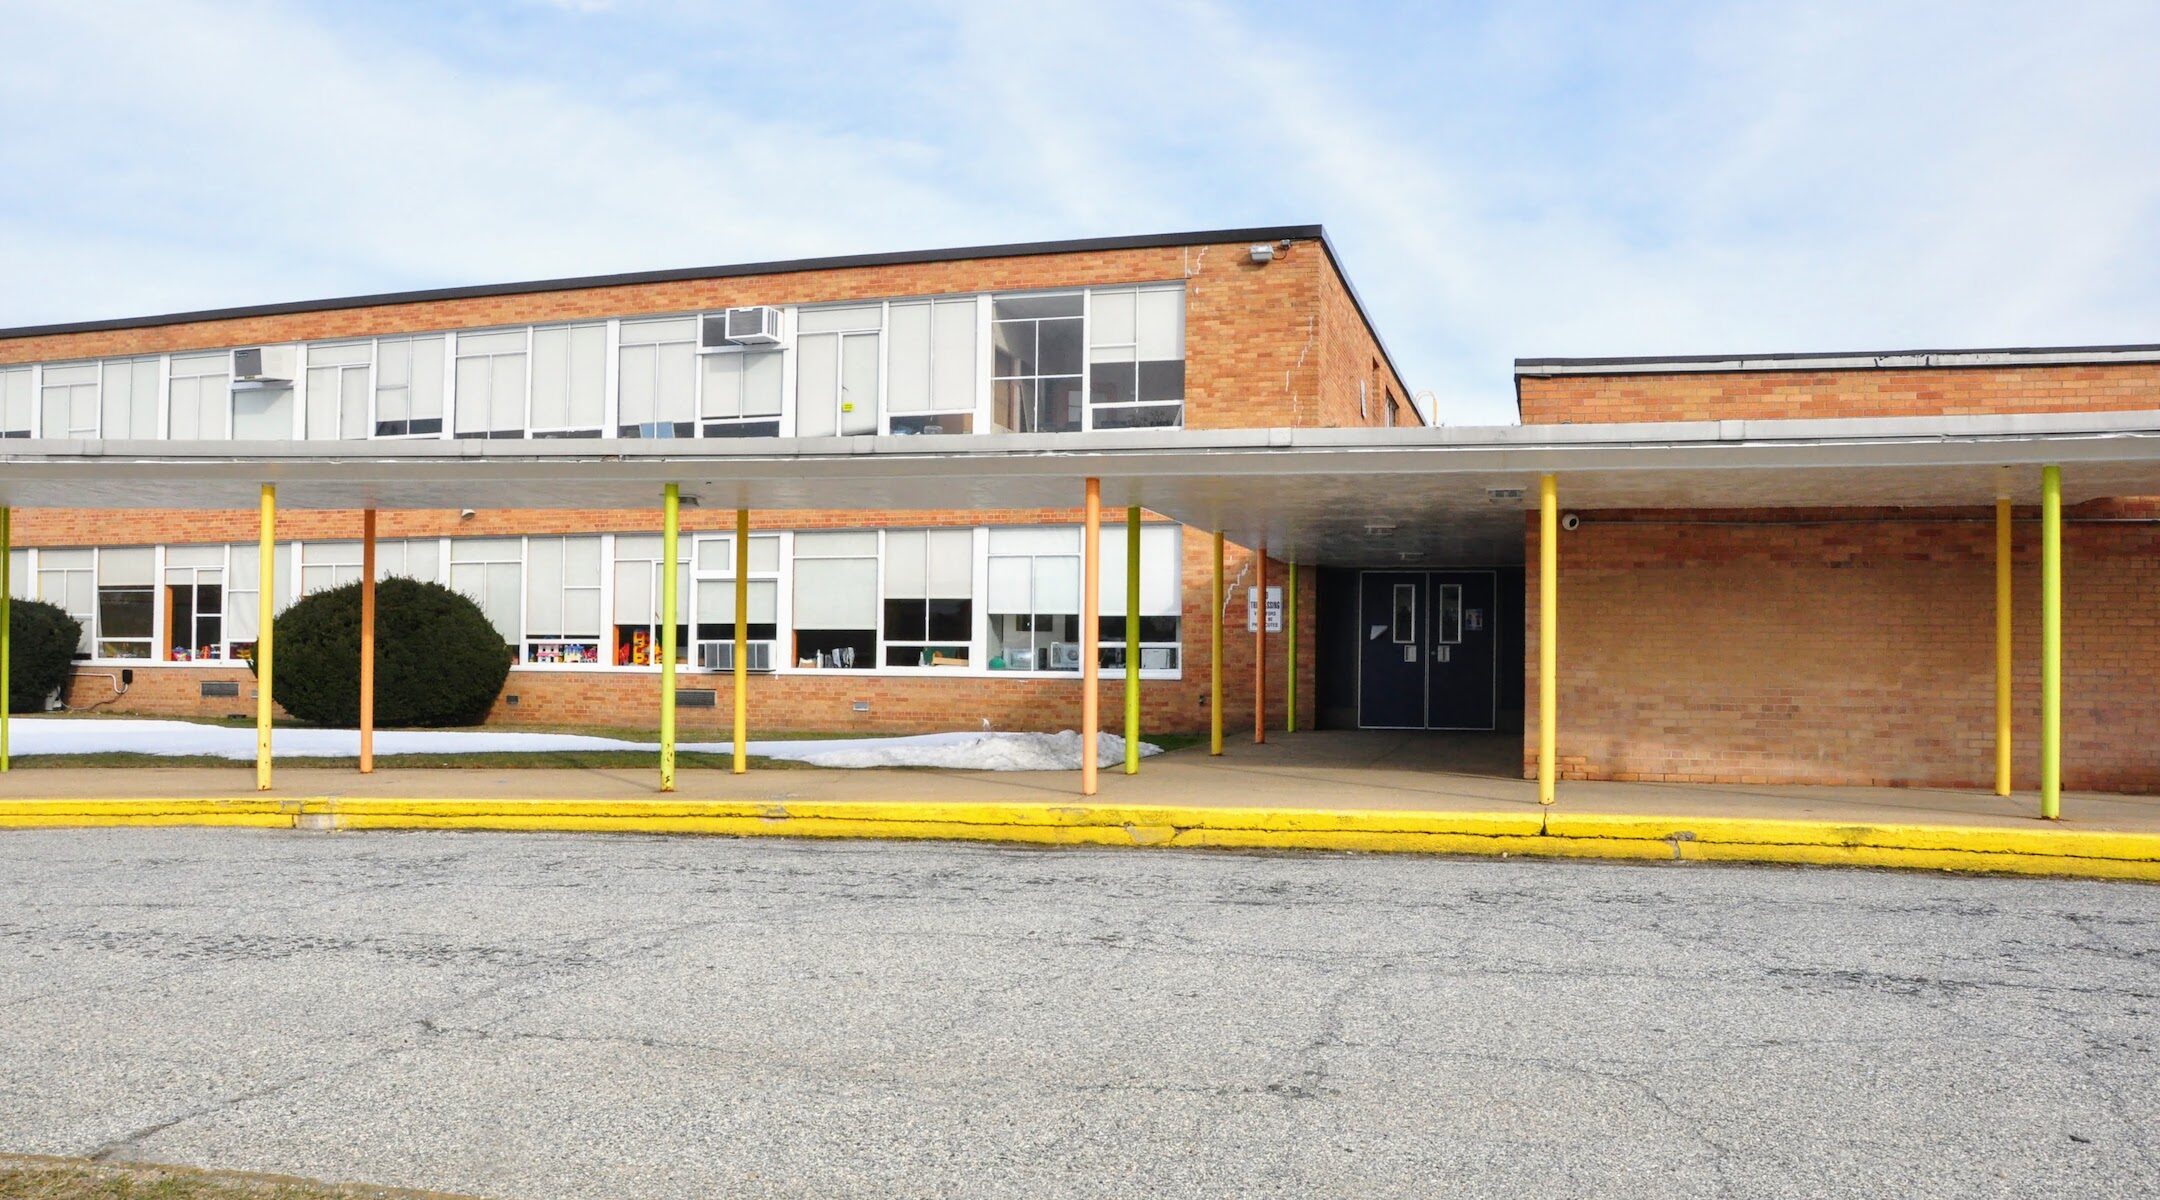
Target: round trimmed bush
[[438, 661], [42, 642]]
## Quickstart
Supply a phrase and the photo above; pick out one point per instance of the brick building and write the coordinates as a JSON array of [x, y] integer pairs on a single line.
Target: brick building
[[1772, 569], [865, 621]]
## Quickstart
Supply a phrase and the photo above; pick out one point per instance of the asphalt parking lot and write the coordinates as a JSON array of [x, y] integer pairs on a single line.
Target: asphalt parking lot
[[531, 1016]]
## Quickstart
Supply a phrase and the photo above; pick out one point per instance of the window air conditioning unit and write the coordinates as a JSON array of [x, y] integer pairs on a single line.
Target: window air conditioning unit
[[758, 326], [1064, 656], [264, 366], [720, 656]]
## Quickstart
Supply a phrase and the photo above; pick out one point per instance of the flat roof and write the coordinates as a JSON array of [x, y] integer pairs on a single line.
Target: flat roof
[[1844, 360], [1341, 497]]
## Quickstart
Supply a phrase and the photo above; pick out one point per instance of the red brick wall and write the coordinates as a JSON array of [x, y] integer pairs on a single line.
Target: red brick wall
[[1842, 648], [1772, 395]]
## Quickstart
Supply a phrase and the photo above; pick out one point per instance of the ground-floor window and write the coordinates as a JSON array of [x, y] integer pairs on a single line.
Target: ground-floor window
[[1034, 599], [836, 600], [195, 603]]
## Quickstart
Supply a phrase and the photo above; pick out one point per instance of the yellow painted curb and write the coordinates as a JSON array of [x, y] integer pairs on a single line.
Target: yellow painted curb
[[2049, 851]]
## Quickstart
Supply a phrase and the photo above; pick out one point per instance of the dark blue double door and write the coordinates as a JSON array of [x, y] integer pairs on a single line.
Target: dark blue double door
[[1426, 657]]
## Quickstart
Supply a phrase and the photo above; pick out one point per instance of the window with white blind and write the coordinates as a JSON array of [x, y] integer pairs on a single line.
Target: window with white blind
[[409, 386], [194, 603], [569, 380], [490, 571], [1136, 357], [70, 398], [931, 366], [262, 411], [1037, 364], [327, 565], [1161, 605], [562, 600], [125, 606], [490, 399], [21, 584], [18, 404], [836, 370], [338, 401], [656, 379], [836, 600], [1034, 600], [715, 619], [129, 404], [68, 578], [929, 597], [635, 638], [201, 399], [243, 595], [742, 393]]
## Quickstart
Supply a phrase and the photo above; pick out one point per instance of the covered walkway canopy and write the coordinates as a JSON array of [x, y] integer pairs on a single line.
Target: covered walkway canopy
[[1317, 497]]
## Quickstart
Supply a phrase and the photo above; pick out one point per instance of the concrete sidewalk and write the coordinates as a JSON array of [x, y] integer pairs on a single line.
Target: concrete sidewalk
[[1316, 791]]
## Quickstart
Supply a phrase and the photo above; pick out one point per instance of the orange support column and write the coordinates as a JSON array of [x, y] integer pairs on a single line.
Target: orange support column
[[1090, 632], [1259, 647], [367, 641]]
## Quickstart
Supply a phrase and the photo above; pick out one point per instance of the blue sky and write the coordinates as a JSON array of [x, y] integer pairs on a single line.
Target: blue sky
[[1502, 180]]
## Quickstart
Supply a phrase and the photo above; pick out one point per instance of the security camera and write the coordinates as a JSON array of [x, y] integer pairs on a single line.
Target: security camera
[[1570, 522]]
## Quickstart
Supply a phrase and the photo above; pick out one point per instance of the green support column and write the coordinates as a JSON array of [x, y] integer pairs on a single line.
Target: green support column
[[670, 529], [1132, 640], [7, 622], [2051, 642], [1290, 628]]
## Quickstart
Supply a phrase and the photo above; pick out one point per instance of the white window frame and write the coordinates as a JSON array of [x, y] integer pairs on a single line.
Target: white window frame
[[164, 620], [455, 403], [976, 601], [608, 366], [532, 641], [725, 574]]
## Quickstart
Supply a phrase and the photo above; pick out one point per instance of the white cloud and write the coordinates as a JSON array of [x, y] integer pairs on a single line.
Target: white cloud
[[1529, 181]]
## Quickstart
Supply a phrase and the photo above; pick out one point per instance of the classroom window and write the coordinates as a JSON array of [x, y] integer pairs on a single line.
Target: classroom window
[[1034, 600], [129, 405], [1161, 597], [490, 571], [636, 633], [125, 605], [929, 597], [194, 603], [715, 614], [1136, 358], [490, 399], [1036, 362], [569, 380], [409, 386], [21, 584], [68, 578], [337, 391], [836, 600], [930, 387], [201, 396], [742, 395], [836, 370], [656, 381], [18, 404], [70, 396], [243, 594], [562, 600]]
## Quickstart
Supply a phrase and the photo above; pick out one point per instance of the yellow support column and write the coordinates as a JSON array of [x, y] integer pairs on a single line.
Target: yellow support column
[[265, 607], [7, 624], [1091, 638], [1548, 635], [1132, 640], [742, 640], [367, 641], [2002, 647], [2051, 642], [1290, 628], [670, 529], [1215, 657]]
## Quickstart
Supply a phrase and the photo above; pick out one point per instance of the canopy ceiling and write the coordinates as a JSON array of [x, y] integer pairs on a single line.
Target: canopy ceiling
[[1322, 496]]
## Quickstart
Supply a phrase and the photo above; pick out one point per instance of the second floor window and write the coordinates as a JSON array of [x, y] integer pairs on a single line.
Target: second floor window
[[70, 396], [337, 391], [130, 402], [657, 379], [1136, 358], [490, 398], [932, 366], [409, 386], [1036, 364], [836, 370], [569, 380], [18, 404], [201, 394]]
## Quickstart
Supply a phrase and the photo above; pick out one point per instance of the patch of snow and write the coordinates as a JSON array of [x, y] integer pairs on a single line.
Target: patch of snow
[[952, 751]]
